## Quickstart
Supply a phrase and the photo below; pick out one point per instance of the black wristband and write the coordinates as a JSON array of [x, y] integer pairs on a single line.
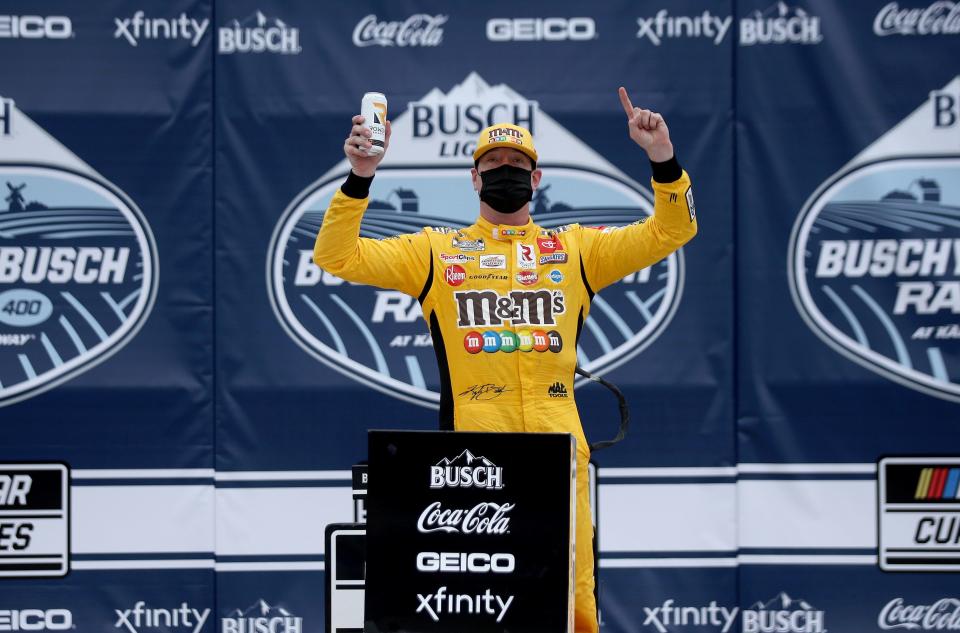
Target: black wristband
[[356, 186], [667, 171]]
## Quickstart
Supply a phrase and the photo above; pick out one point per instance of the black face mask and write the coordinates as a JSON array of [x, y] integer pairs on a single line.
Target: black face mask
[[506, 189]]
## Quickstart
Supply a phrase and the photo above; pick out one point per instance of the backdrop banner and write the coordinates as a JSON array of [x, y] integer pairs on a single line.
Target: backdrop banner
[[182, 391]]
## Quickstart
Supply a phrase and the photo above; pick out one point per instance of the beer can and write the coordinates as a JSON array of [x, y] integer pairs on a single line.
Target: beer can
[[373, 108]]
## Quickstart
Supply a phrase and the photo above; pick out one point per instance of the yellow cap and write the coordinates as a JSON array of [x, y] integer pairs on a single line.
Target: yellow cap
[[505, 135]]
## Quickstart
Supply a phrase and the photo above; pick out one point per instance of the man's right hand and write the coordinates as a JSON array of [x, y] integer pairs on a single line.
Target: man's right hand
[[356, 145]]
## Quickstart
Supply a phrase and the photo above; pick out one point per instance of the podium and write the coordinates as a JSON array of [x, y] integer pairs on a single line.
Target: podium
[[465, 532]]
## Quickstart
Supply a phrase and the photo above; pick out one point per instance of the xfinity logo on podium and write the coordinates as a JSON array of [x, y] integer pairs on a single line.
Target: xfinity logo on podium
[[460, 562], [441, 602], [466, 471]]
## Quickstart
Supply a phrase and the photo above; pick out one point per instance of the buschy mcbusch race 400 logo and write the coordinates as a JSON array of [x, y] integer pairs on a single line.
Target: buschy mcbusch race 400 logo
[[378, 336], [78, 264], [875, 254]]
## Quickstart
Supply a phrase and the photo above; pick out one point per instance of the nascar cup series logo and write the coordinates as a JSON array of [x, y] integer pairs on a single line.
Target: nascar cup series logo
[[875, 253], [78, 264], [378, 336]]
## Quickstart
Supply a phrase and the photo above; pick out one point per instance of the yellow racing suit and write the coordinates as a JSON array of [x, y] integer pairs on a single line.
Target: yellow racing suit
[[505, 305]]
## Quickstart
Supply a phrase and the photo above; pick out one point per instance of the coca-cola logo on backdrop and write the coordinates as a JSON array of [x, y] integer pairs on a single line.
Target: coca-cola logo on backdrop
[[419, 29]]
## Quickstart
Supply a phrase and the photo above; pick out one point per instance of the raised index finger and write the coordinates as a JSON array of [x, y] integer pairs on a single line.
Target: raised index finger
[[625, 102]]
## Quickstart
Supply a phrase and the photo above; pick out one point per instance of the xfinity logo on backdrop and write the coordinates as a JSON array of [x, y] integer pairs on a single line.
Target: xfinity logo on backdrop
[[36, 620], [140, 27], [419, 29], [667, 615], [261, 618], [466, 471], [140, 618], [258, 34], [938, 18], [778, 24], [35, 27], [944, 614], [541, 29]]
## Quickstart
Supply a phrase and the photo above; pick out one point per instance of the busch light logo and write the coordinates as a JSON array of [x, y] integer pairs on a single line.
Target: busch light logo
[[783, 614], [780, 24], [378, 336], [78, 264], [258, 34], [261, 618], [875, 254], [466, 471], [419, 29]]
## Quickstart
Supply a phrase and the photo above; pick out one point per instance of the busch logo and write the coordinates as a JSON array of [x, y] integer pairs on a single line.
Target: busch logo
[[139, 27], [875, 260], [483, 518], [140, 618], [77, 267], [783, 614], [541, 29], [519, 307], [36, 620], [466, 471], [419, 29], [942, 615], [35, 27], [379, 337], [663, 25], [939, 18], [261, 618], [258, 34], [780, 25]]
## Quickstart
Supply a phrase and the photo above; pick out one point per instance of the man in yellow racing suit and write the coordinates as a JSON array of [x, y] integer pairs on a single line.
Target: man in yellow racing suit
[[505, 299]]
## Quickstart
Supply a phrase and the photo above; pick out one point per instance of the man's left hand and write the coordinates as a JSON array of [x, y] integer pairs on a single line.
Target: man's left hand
[[647, 129]]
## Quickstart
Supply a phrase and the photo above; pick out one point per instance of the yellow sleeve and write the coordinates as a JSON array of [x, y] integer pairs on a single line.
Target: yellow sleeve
[[613, 253], [398, 263]]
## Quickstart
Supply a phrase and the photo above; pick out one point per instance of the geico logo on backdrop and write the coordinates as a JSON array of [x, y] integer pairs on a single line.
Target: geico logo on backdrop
[[261, 617], [258, 34], [875, 256], [140, 618], [441, 602], [483, 518], [78, 264], [669, 615], [379, 337], [420, 29], [780, 24], [466, 471], [938, 18], [36, 620], [36, 27], [783, 614], [541, 29], [138, 27], [459, 562], [942, 615]]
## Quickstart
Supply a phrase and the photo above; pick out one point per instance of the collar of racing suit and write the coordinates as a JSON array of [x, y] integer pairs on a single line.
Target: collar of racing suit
[[506, 232]]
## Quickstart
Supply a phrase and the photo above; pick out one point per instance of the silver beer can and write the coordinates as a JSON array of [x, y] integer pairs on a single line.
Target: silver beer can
[[373, 108]]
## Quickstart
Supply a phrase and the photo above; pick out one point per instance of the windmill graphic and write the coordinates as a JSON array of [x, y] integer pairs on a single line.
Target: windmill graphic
[[15, 198]]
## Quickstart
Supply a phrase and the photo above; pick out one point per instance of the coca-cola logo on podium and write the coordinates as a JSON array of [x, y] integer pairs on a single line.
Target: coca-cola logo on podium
[[483, 518]]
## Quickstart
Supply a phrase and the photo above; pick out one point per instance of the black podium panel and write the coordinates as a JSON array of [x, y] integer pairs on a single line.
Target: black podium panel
[[469, 532]]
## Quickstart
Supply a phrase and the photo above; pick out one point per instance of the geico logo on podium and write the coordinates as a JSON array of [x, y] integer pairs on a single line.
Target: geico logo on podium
[[36, 27], [783, 614], [541, 29], [874, 259], [78, 263], [942, 615], [459, 562], [261, 617], [378, 337], [36, 620], [142, 618], [483, 518], [466, 471]]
